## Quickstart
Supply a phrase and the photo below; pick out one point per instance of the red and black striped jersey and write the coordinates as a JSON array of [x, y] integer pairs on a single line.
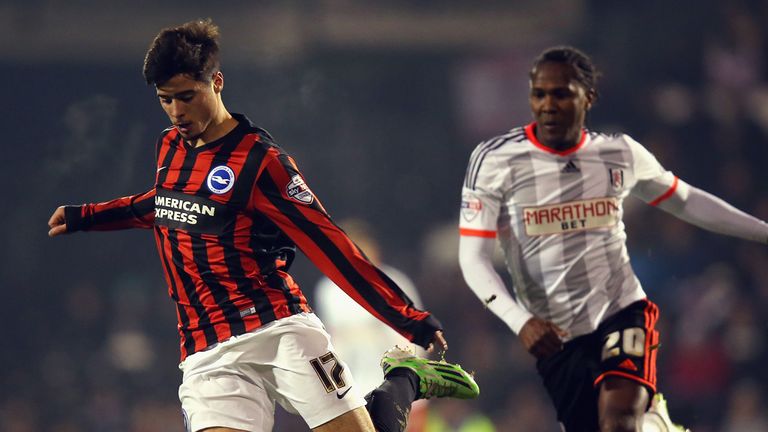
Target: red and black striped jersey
[[227, 218]]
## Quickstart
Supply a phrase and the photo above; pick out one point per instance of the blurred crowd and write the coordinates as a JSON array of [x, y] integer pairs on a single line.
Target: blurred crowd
[[89, 332]]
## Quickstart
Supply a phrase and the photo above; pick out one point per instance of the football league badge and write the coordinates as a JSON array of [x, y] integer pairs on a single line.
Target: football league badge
[[470, 207], [298, 190]]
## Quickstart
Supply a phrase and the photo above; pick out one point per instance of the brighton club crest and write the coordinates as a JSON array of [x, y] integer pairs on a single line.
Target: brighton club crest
[[221, 179]]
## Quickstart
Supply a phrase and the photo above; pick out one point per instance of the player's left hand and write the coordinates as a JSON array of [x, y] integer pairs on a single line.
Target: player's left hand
[[439, 340], [57, 223]]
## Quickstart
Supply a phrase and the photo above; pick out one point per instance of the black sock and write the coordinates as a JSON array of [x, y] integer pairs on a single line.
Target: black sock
[[390, 403]]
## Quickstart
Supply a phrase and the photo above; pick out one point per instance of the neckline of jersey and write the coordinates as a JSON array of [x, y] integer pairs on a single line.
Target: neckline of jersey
[[242, 122], [532, 138]]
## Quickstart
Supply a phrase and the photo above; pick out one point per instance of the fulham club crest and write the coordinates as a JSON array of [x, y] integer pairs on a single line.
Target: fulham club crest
[[299, 191], [617, 178]]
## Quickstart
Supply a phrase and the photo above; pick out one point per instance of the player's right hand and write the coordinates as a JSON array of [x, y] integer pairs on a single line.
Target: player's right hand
[[542, 338], [57, 223]]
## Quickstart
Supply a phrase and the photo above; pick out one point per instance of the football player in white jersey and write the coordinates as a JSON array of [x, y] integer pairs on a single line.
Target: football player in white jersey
[[551, 193]]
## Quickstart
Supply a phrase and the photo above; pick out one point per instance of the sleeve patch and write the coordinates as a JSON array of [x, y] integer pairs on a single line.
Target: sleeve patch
[[470, 207], [298, 190]]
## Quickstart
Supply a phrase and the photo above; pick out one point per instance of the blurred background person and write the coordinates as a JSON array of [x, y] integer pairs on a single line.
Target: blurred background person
[[359, 338]]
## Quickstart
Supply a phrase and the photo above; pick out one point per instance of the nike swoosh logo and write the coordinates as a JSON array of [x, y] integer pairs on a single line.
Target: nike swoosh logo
[[161, 168], [341, 395]]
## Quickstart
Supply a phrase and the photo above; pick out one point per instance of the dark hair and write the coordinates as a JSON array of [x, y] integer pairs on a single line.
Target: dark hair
[[191, 49], [586, 72]]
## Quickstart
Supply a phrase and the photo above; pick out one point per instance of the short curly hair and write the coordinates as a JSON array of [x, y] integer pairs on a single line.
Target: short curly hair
[[586, 72], [191, 49]]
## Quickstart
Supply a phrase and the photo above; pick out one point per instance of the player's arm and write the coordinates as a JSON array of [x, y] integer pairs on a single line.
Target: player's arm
[[701, 208], [283, 196], [135, 211], [480, 208], [539, 337], [662, 189], [476, 262]]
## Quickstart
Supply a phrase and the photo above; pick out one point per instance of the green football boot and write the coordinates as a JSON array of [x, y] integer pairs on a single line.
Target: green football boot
[[436, 378]]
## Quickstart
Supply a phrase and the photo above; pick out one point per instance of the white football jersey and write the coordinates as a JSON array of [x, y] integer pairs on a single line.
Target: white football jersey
[[558, 218]]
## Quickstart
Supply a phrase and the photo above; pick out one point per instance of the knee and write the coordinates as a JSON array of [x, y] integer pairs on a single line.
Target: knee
[[620, 420], [621, 405]]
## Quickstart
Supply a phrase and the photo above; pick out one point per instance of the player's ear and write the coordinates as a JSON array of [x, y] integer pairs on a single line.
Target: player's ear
[[218, 82], [591, 98]]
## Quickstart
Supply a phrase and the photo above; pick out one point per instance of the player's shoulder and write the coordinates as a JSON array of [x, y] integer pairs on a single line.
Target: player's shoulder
[[169, 132], [605, 136], [259, 136], [500, 143], [256, 141], [515, 135], [618, 139], [168, 137], [485, 155]]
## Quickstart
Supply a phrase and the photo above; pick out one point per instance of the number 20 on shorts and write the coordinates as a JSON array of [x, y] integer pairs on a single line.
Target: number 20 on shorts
[[630, 340]]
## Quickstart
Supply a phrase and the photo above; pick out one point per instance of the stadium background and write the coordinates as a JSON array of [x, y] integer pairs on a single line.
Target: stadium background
[[381, 104]]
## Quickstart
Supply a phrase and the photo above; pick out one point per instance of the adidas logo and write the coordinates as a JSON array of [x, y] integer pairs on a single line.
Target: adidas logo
[[570, 167], [627, 364]]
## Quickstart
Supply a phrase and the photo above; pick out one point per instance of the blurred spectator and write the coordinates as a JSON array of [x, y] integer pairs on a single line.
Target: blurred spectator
[[358, 337]]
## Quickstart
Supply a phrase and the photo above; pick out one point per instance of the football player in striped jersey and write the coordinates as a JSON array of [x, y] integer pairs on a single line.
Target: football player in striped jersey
[[228, 208]]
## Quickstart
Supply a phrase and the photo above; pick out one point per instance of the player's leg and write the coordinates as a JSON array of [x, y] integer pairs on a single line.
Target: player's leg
[[221, 429], [622, 408], [390, 404], [569, 377], [218, 395], [408, 378], [356, 420], [306, 377], [621, 404], [627, 379]]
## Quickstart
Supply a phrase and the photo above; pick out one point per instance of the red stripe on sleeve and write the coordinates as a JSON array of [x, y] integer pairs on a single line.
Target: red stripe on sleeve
[[468, 232], [314, 214], [135, 211], [310, 248], [666, 194]]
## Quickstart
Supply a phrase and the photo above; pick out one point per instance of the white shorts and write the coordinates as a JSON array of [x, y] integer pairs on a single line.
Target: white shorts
[[290, 361]]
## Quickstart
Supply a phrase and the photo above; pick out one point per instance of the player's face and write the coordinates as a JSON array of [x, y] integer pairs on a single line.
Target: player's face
[[191, 105], [559, 104]]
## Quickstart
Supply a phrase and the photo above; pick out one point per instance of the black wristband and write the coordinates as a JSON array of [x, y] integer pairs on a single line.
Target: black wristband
[[72, 218]]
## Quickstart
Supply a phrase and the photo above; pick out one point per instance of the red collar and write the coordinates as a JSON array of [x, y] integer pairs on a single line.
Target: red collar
[[532, 138]]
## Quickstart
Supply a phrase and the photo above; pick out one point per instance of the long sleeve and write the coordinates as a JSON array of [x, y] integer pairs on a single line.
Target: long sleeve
[[481, 200], [701, 208], [283, 196], [135, 211], [475, 259]]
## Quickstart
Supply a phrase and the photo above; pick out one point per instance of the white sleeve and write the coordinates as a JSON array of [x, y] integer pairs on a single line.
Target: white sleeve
[[659, 187], [707, 211], [653, 183], [475, 259], [481, 196], [481, 201]]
